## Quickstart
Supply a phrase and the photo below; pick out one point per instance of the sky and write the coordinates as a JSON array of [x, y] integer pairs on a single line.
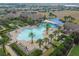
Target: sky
[[39, 1]]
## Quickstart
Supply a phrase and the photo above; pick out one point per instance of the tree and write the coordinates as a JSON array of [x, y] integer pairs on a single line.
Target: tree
[[63, 49], [51, 36], [46, 47], [3, 41], [44, 17], [68, 42], [40, 42], [52, 15], [68, 18], [55, 33], [31, 34], [46, 40], [75, 36], [47, 28], [30, 21], [65, 18]]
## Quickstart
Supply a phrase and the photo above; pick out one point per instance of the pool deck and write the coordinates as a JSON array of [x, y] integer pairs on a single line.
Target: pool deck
[[25, 43], [13, 34]]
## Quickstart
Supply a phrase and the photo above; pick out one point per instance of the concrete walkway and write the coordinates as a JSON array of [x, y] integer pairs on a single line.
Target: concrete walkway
[[9, 49], [71, 50]]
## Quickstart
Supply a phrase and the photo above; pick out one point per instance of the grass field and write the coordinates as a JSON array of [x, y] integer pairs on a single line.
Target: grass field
[[61, 14], [74, 51]]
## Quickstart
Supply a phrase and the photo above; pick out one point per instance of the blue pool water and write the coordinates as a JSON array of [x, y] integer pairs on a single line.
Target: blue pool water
[[38, 32]]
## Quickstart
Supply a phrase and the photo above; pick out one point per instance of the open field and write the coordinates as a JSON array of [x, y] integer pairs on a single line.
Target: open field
[[75, 51], [61, 14]]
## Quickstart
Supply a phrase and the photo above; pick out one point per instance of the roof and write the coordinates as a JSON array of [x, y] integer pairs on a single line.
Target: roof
[[72, 26]]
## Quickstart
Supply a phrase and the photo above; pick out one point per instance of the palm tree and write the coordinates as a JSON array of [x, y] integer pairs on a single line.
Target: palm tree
[[46, 40], [68, 18], [51, 36], [55, 32], [65, 18], [40, 42], [53, 15], [32, 36], [3, 42], [44, 17], [50, 14], [47, 28]]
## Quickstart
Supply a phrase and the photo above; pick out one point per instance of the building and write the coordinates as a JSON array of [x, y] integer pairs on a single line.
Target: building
[[71, 27]]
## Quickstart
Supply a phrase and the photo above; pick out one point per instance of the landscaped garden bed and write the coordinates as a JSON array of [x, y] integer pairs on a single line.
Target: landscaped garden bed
[[17, 50], [36, 52]]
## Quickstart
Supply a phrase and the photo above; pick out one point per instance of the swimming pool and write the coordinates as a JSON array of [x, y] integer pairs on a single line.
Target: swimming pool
[[37, 31]]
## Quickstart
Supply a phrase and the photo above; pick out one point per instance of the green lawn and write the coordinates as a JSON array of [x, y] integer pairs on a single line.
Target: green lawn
[[75, 51]]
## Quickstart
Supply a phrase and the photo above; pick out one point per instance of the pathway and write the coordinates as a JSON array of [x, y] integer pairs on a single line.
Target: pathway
[[71, 50]]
